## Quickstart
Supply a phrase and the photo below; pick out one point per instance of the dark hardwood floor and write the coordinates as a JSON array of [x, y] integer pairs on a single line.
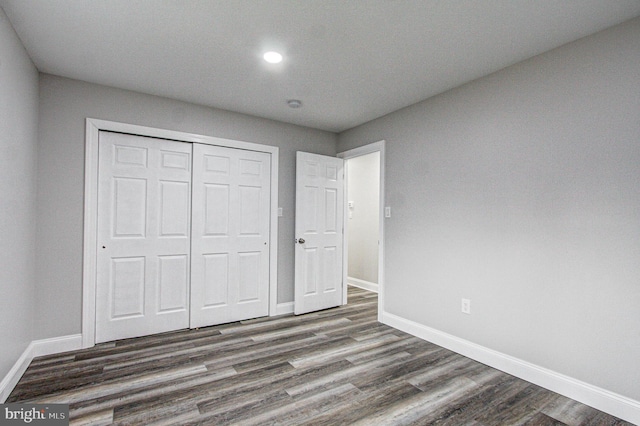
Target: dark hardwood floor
[[338, 366]]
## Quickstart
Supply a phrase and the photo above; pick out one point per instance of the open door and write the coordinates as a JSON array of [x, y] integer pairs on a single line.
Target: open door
[[319, 233]]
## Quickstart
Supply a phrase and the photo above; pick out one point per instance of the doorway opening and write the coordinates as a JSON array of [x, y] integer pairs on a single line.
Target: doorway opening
[[363, 220]]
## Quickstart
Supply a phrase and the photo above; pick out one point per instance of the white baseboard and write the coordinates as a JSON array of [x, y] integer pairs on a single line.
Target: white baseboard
[[366, 285], [601, 399], [13, 376], [36, 348], [284, 308], [56, 345]]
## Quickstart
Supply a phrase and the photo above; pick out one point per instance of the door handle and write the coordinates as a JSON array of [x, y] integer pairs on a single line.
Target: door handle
[[301, 241]]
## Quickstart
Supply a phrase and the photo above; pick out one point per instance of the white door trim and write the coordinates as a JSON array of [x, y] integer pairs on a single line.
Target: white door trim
[[93, 127], [346, 155]]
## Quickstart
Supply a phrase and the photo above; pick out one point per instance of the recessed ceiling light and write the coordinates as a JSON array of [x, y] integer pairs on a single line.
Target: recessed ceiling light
[[294, 103], [273, 57]]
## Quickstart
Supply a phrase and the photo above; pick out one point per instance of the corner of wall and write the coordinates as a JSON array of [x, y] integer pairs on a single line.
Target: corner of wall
[[35, 349]]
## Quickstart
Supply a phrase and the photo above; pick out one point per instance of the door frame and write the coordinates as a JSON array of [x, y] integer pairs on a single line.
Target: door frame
[[89, 249], [347, 155]]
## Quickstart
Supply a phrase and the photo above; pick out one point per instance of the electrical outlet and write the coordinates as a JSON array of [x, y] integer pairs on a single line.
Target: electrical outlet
[[466, 306]]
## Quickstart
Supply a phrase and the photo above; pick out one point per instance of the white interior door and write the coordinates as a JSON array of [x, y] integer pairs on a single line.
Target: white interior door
[[143, 258], [230, 227], [319, 233]]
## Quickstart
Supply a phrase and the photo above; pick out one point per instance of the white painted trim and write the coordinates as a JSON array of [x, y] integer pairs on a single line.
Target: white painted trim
[[34, 349], [56, 345], [93, 127], [366, 285], [15, 373], [285, 308], [90, 233], [601, 399], [352, 153]]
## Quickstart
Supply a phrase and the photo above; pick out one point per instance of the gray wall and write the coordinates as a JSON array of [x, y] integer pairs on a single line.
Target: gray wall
[[18, 141], [521, 191], [64, 105], [363, 189]]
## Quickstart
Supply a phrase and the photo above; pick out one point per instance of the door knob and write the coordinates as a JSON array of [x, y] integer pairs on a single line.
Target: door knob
[[301, 241]]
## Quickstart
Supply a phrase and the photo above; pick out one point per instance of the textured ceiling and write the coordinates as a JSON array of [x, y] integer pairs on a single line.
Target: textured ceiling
[[349, 61]]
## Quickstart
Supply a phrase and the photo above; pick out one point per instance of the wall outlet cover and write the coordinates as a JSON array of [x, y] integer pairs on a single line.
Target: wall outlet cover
[[466, 306]]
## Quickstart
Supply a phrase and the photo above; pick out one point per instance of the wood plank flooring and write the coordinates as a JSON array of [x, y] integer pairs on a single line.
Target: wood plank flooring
[[338, 366]]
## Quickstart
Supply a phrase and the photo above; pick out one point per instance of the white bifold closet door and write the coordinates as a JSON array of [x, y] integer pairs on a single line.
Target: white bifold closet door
[[230, 235], [177, 247], [144, 223]]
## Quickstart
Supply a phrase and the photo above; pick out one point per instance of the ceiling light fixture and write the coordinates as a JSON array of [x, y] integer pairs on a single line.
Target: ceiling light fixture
[[294, 103], [273, 57]]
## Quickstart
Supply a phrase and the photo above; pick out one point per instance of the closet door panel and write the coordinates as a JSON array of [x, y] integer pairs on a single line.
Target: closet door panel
[[230, 241], [144, 238]]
